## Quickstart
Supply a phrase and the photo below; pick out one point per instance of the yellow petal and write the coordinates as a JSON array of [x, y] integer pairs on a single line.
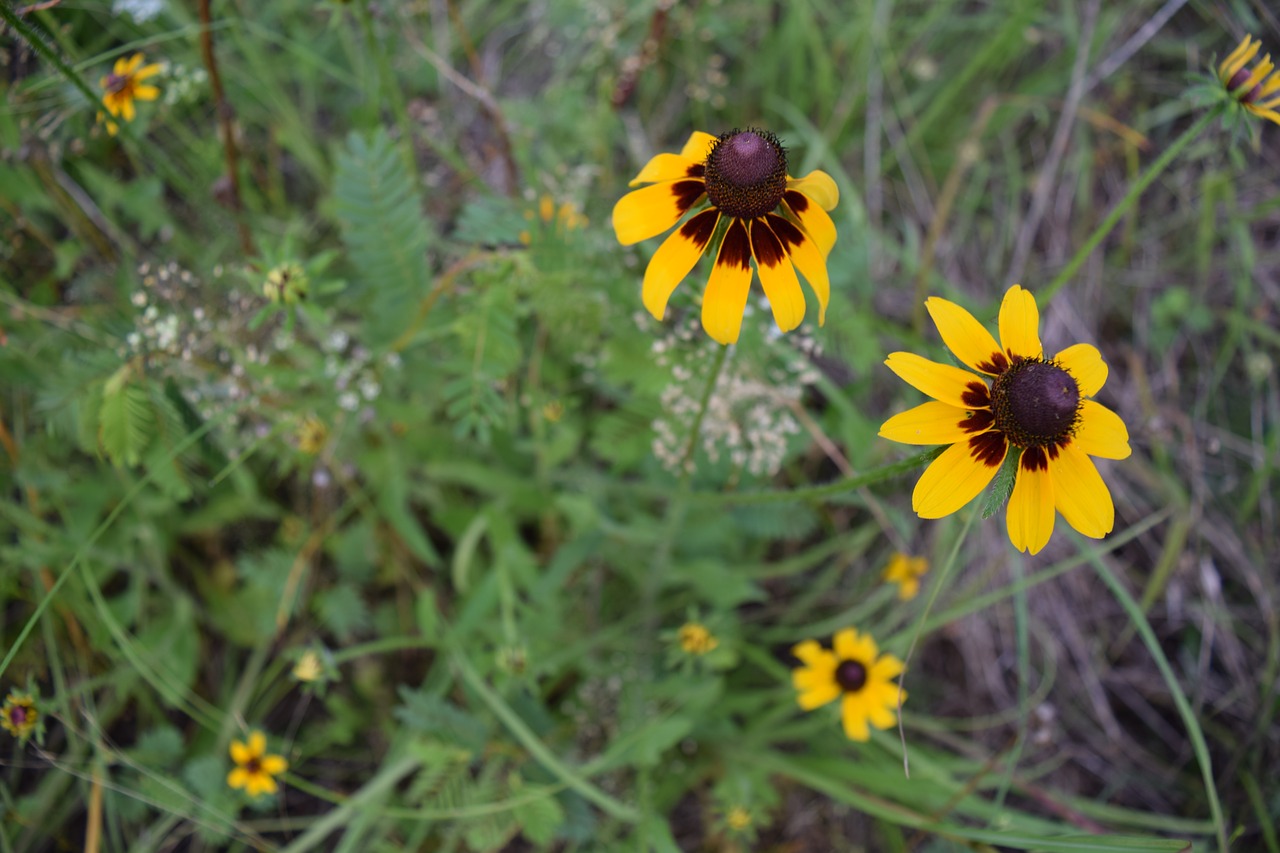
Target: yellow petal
[[647, 212], [816, 698], [121, 67], [819, 186], [1237, 59], [238, 778], [675, 258], [807, 258], [882, 716], [812, 679], [1020, 324], [726, 295], [813, 219], [1269, 115], [148, 71], [1080, 494], [850, 645], [1030, 512], [888, 667], [240, 752], [956, 477], [854, 718], [261, 783], [777, 276], [1085, 364], [698, 146], [1101, 432], [127, 112], [934, 423], [813, 654], [146, 93], [943, 382], [966, 337], [666, 167]]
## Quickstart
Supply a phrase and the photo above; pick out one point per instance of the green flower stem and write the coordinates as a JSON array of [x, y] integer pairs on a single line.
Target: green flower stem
[[1139, 620], [32, 37], [827, 490], [565, 774], [1135, 192], [367, 797]]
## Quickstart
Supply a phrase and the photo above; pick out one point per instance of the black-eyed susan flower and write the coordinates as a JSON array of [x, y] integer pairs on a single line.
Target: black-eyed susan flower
[[743, 202], [124, 85], [255, 769], [854, 672], [696, 639], [1011, 398], [20, 715], [1255, 88], [906, 573]]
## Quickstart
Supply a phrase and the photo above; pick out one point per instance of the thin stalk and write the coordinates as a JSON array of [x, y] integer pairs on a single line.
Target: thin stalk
[[1135, 192], [32, 37], [226, 125]]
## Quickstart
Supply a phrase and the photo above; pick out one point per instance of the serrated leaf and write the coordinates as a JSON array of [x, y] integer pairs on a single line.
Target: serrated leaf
[[432, 715], [343, 610], [1002, 485], [538, 818], [125, 421]]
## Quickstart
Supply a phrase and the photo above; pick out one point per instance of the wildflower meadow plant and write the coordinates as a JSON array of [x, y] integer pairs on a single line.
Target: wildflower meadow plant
[[123, 86]]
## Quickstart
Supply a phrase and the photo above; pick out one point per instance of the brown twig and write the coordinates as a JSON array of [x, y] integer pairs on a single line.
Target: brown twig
[[226, 123], [634, 64]]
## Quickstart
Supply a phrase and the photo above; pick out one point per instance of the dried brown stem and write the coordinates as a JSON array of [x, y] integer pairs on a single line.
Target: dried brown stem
[[226, 124]]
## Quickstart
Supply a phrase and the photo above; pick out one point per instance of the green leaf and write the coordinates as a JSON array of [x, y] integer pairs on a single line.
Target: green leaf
[[1002, 485], [432, 715], [538, 818], [126, 421]]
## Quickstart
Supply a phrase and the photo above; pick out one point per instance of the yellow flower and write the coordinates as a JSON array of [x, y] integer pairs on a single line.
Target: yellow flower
[[123, 86], [1011, 397], [20, 714], [255, 771], [311, 435], [855, 673], [738, 818], [906, 573], [287, 283], [1257, 89], [308, 668], [736, 185], [696, 639]]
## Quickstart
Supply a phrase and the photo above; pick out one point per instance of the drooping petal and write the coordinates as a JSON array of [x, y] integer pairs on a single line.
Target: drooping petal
[[261, 783], [647, 212], [725, 298], [675, 258], [698, 146], [944, 382], [777, 276], [933, 423], [1238, 58], [806, 256], [819, 186], [127, 112], [813, 219], [1269, 115], [1020, 324], [853, 716], [1029, 515], [956, 477], [1101, 432], [966, 337], [1080, 494], [1085, 364], [667, 167], [146, 93]]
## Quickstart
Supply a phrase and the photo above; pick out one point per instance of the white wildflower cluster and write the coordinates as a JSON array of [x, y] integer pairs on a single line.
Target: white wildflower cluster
[[140, 10], [183, 84], [749, 419], [353, 371]]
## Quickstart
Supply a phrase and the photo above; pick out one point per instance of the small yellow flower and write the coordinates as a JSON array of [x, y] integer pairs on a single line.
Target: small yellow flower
[[123, 86], [738, 818], [1010, 399], [696, 639], [308, 668], [287, 283], [20, 714], [311, 435], [553, 411], [1256, 89], [855, 673], [738, 191], [255, 770], [906, 573]]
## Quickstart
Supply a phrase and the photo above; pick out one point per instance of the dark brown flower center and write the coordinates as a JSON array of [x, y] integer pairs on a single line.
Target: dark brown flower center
[[117, 83], [1237, 80], [1036, 403], [253, 765], [851, 676], [746, 173], [18, 715]]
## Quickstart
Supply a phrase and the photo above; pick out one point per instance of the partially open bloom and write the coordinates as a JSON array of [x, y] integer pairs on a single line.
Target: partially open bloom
[[696, 639], [854, 672], [20, 715], [742, 200], [311, 435], [124, 85], [1256, 88], [738, 818], [255, 770], [906, 573], [1011, 397]]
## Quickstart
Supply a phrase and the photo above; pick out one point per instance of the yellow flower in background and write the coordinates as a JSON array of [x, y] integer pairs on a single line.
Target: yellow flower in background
[[19, 716], [738, 818], [854, 672], [696, 639], [1011, 397], [311, 435], [124, 85], [308, 668], [562, 219], [737, 185], [906, 573], [1257, 89], [255, 770]]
